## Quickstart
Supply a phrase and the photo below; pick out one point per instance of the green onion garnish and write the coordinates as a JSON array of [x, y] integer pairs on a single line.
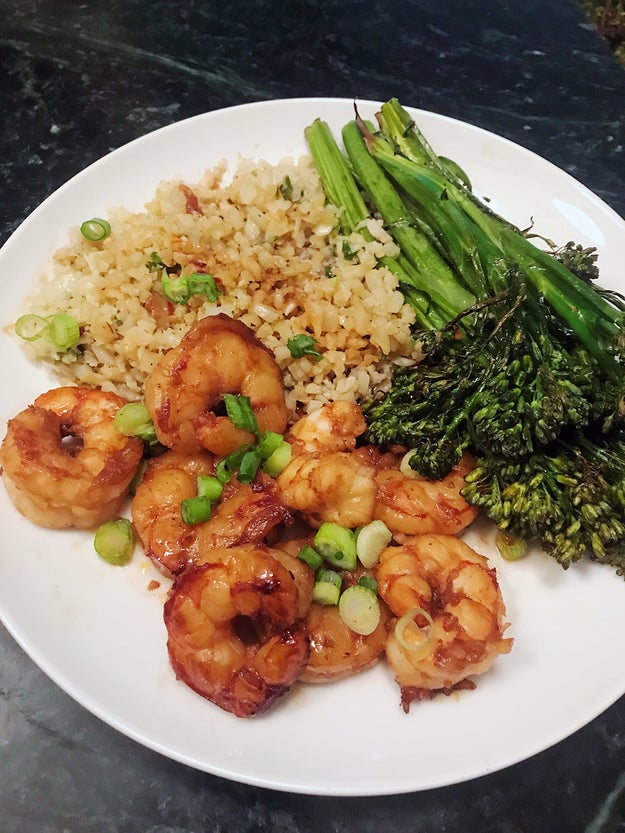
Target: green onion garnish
[[337, 544], [200, 284], [279, 460], [95, 229], [114, 542], [369, 582], [509, 547], [209, 486], [240, 413], [30, 327], [327, 588], [303, 345], [410, 634], [195, 510], [248, 466], [63, 330], [175, 290], [133, 420], [359, 608], [371, 541], [311, 557], [269, 442]]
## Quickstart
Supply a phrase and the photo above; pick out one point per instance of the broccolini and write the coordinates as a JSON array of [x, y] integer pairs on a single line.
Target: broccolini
[[523, 352]]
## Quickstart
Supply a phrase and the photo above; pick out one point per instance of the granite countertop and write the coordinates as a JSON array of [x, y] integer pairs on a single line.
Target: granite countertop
[[80, 79]]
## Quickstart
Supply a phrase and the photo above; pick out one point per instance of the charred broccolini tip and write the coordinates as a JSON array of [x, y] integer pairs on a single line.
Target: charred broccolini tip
[[570, 497]]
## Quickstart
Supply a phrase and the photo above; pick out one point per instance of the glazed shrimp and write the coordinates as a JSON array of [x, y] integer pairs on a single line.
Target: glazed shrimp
[[233, 632], [456, 597], [244, 514], [324, 480], [414, 506], [184, 393], [336, 651], [64, 464]]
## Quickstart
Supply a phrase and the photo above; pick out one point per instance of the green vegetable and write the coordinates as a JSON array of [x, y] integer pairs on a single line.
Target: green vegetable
[[359, 608], [175, 290], [30, 327], [524, 355], [209, 487], [203, 284], [114, 542], [133, 420], [310, 556], [303, 345], [337, 544], [279, 460], [509, 547], [196, 510], [327, 588], [248, 466], [63, 331], [95, 229], [413, 630], [371, 541], [240, 413]]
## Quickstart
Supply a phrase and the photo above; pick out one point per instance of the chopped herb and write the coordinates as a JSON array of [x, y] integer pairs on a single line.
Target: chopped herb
[[175, 290], [203, 284], [350, 253], [286, 188], [303, 345], [95, 229], [240, 413]]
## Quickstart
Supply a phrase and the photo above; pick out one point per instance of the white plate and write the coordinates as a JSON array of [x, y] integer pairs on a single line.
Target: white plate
[[98, 633]]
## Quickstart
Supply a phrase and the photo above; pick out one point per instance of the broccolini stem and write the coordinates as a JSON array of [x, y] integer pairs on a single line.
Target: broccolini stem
[[342, 191], [436, 277]]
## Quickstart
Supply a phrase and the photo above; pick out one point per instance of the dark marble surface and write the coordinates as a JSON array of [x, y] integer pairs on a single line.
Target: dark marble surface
[[78, 79]]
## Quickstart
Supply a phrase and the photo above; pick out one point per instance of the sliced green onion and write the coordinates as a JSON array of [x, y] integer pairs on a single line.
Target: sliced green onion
[[209, 486], [327, 588], [279, 460], [337, 544], [371, 541], [175, 290], [286, 188], [369, 582], [240, 413], [303, 345], [133, 420], [405, 467], [63, 330], [509, 547], [409, 634], [195, 510], [224, 471], [30, 327], [114, 542], [200, 284], [248, 466], [269, 442], [311, 557], [359, 608], [95, 229]]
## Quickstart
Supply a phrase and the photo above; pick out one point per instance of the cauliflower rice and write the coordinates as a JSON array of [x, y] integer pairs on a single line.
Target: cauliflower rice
[[271, 243]]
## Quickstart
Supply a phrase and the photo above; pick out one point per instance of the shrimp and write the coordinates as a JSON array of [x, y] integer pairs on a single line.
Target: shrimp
[[454, 586], [324, 480], [414, 506], [245, 513], [64, 463], [184, 393], [233, 632], [336, 651]]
